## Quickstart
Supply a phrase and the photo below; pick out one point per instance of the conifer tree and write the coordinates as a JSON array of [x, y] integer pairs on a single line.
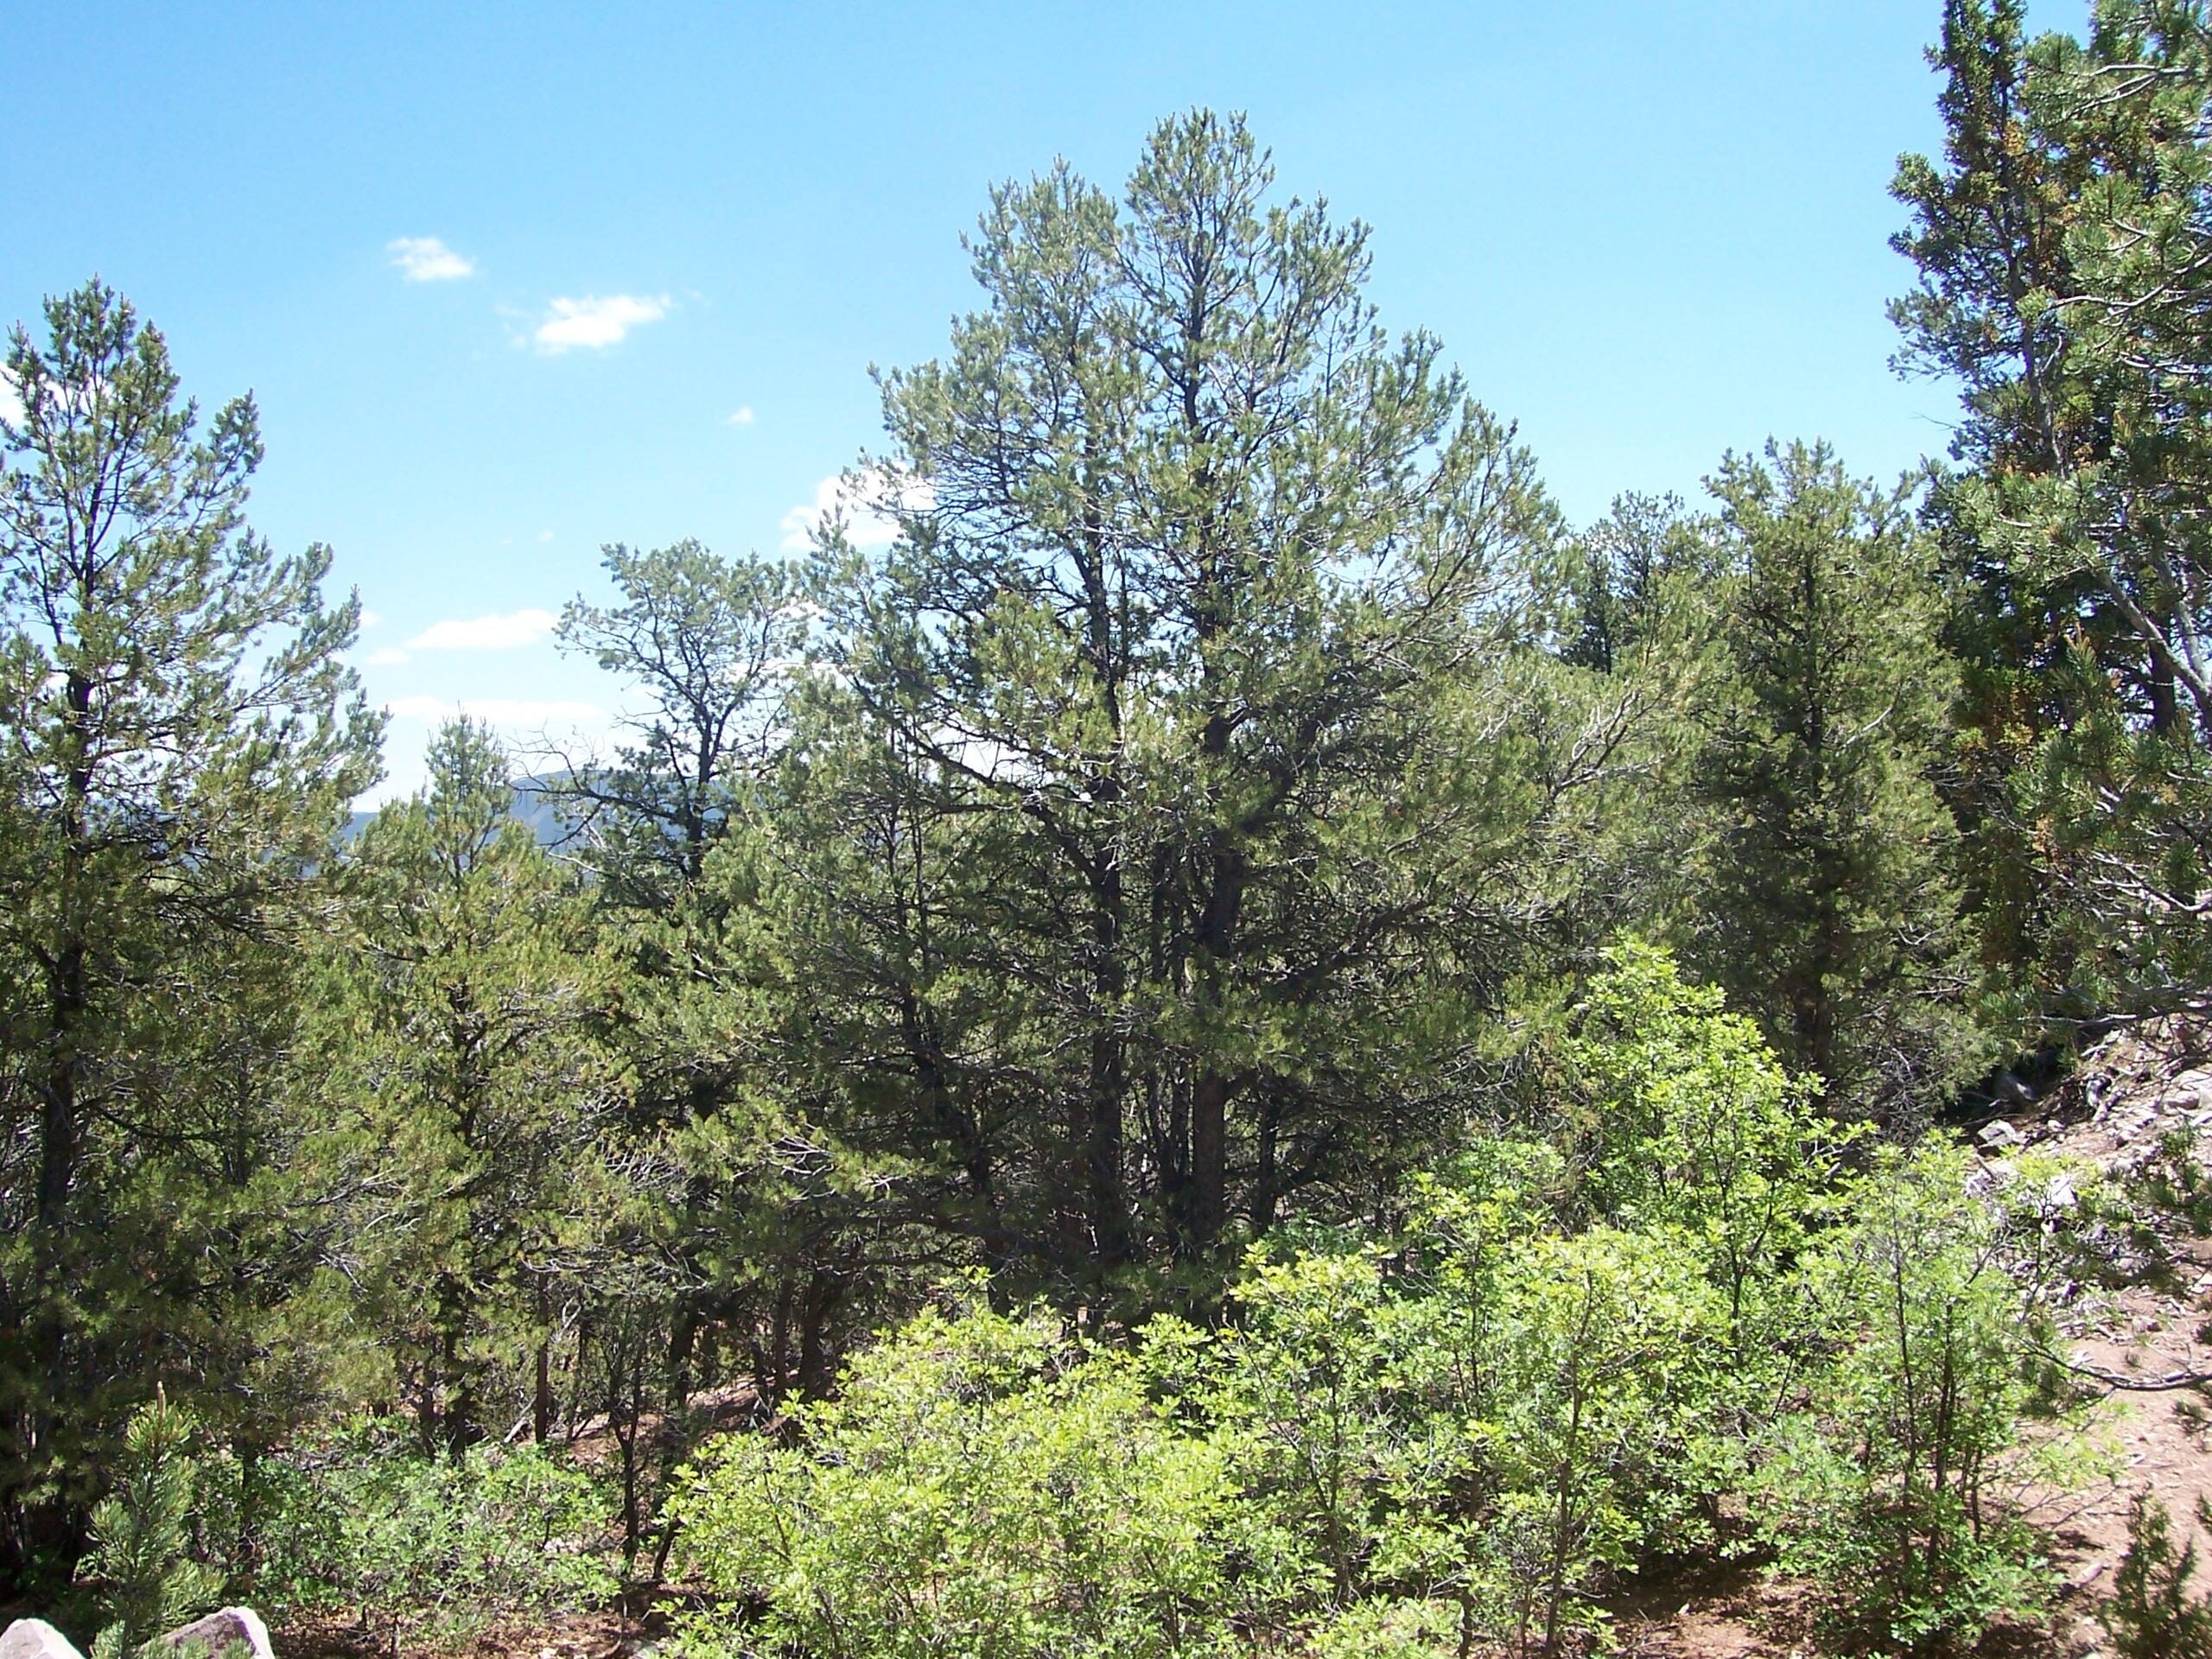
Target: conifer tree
[[179, 735], [1644, 594], [143, 1555], [1626, 574], [2062, 244], [456, 1043], [1197, 648], [708, 638], [1832, 909]]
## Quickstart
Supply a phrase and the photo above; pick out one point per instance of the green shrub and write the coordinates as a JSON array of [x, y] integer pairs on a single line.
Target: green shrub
[[1693, 1124], [1457, 1438], [1893, 1488], [1390, 1630], [365, 1522], [981, 1485], [1608, 1377], [1312, 1398]]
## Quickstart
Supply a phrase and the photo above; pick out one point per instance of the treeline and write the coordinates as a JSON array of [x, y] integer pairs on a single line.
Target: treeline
[[1200, 824]]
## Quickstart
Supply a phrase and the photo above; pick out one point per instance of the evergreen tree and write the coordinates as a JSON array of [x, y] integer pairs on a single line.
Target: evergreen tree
[[181, 738], [1196, 659], [1644, 594], [1625, 575], [2061, 245], [143, 1554], [708, 638], [708, 1247], [470, 1140], [1832, 912]]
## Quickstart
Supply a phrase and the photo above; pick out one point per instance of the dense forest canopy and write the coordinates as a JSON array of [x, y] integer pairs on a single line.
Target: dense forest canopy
[[1244, 1039]]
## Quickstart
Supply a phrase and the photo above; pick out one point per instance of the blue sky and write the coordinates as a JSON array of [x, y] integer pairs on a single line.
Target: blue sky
[[655, 248]]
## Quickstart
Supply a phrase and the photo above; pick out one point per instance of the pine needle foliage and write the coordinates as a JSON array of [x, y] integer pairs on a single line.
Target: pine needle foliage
[[143, 1549]]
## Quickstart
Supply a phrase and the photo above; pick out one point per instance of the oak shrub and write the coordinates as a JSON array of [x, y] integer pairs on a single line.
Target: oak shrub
[[1580, 1355]]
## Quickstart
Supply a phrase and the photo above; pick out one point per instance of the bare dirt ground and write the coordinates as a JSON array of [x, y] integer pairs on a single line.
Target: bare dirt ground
[[581, 1635]]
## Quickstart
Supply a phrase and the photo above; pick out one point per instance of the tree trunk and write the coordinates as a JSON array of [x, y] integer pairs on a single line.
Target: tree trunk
[[1209, 1160], [58, 1123], [824, 1293], [1266, 1190], [541, 1404], [1212, 1086]]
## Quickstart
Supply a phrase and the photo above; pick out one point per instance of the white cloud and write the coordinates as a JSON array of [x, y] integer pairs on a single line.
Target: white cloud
[[369, 618], [384, 657], [860, 499], [544, 536], [426, 259], [11, 406], [507, 713], [522, 722], [597, 323], [741, 417], [486, 632]]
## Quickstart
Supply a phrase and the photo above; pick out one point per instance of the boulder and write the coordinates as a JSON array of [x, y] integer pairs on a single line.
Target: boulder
[[232, 1633], [33, 1638], [2001, 1136]]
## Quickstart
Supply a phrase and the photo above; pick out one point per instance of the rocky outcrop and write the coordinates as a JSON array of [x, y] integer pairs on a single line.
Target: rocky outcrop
[[2140, 1089], [33, 1638], [233, 1633]]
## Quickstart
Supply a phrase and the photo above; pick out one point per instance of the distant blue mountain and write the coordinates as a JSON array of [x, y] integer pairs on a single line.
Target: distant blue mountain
[[531, 806]]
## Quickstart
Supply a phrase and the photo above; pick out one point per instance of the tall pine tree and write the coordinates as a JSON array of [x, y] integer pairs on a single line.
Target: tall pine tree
[[1200, 661], [2062, 244], [469, 1132], [179, 736]]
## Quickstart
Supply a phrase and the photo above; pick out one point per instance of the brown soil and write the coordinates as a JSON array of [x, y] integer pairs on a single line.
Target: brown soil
[[581, 1635]]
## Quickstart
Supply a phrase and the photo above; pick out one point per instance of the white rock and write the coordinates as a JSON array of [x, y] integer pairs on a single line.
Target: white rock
[[33, 1638], [233, 1633], [2002, 1134]]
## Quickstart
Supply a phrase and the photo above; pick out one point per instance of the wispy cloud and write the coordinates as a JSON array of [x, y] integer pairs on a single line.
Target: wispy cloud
[[507, 713], [369, 618], [865, 499], [526, 723], [384, 657], [740, 417], [597, 323], [486, 632], [11, 405], [426, 259]]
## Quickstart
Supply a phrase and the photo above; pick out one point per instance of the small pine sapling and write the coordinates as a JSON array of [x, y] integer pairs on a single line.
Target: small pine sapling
[[2152, 1614], [142, 1556]]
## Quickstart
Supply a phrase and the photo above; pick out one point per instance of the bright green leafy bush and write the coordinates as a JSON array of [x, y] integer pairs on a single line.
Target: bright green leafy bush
[[368, 1524], [982, 1485], [1890, 1485], [1566, 1365]]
